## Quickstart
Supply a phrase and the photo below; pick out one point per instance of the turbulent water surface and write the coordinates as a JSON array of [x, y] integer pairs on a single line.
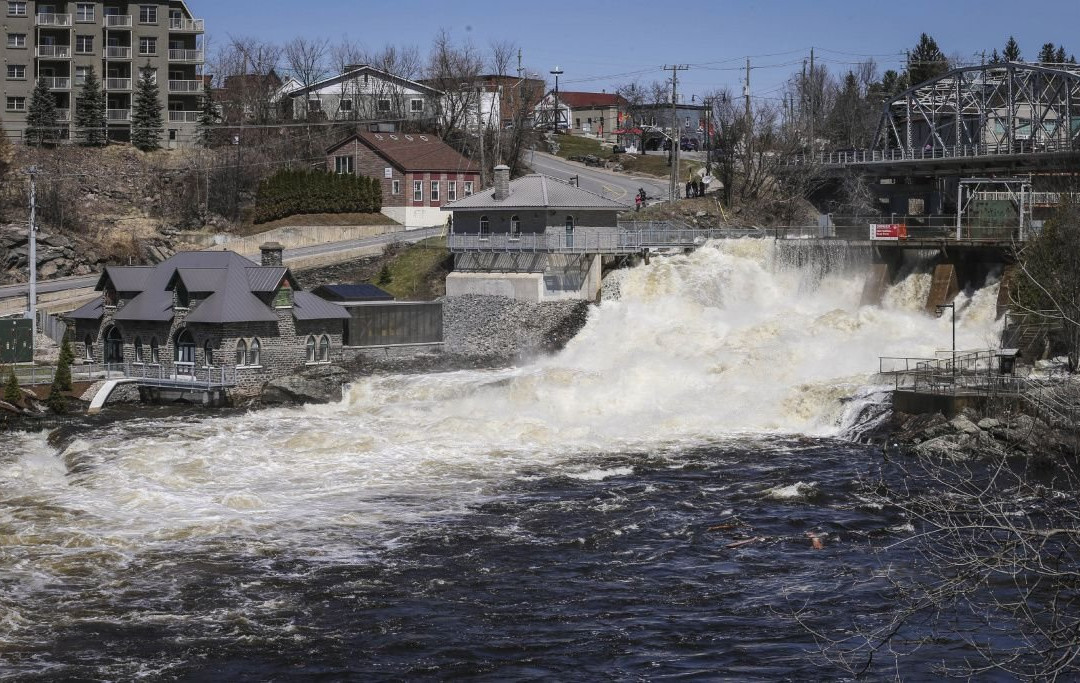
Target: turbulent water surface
[[639, 505]]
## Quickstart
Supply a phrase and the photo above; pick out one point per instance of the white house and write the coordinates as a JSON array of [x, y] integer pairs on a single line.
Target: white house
[[363, 92]]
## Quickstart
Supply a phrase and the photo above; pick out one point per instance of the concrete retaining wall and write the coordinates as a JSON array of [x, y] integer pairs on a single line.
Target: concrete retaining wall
[[290, 237]]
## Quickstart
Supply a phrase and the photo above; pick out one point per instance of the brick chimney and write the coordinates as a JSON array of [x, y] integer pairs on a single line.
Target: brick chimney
[[502, 182], [271, 253]]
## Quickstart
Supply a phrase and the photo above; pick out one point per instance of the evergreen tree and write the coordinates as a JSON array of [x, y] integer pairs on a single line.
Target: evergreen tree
[[1011, 53], [1059, 55], [90, 112], [63, 367], [56, 401], [995, 58], [208, 115], [146, 121], [12, 392], [41, 117], [1047, 54], [926, 61]]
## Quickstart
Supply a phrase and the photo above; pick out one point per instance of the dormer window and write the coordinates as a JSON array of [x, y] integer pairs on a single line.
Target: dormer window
[[183, 299], [283, 297], [110, 295]]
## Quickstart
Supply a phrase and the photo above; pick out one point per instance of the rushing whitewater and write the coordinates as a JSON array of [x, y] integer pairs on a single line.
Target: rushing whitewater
[[721, 346]]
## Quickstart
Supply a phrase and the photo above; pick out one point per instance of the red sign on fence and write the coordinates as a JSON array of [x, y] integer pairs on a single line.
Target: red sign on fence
[[888, 231]]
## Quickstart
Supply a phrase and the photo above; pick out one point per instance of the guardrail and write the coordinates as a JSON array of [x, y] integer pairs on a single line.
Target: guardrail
[[148, 374], [870, 156]]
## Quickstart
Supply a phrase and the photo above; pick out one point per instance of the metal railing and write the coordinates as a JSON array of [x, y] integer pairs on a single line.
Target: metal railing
[[184, 116], [63, 115], [185, 55], [189, 25], [185, 86], [48, 19], [118, 84], [57, 82], [118, 52], [869, 156], [53, 51], [169, 375], [117, 21], [118, 114]]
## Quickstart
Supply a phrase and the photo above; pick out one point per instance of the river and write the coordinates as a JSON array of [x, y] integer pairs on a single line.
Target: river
[[640, 505]]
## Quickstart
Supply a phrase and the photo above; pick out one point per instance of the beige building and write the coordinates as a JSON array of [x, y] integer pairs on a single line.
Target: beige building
[[62, 41]]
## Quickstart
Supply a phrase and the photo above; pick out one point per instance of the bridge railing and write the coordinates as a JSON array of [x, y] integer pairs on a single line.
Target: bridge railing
[[870, 156]]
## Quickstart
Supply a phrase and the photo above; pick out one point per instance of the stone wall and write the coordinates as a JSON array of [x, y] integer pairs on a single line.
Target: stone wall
[[496, 327]]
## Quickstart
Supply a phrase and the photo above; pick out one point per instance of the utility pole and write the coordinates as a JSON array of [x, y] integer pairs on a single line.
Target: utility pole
[[708, 102], [33, 258], [673, 189], [746, 94], [480, 130], [811, 94], [555, 119]]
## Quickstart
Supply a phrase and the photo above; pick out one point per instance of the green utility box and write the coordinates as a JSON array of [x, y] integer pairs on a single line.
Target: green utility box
[[16, 345]]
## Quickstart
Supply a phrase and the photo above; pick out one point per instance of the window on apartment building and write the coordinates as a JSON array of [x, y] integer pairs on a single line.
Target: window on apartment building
[[434, 190], [16, 8], [84, 45], [468, 187], [416, 106], [81, 72], [395, 187], [16, 71], [147, 14], [16, 40], [343, 165], [147, 46], [16, 104], [418, 190], [384, 105], [451, 190], [84, 11]]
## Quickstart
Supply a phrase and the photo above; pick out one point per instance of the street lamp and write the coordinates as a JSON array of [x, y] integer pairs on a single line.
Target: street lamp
[[941, 309], [555, 119]]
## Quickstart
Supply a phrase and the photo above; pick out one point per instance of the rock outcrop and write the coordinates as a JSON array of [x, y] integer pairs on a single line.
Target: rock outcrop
[[318, 384]]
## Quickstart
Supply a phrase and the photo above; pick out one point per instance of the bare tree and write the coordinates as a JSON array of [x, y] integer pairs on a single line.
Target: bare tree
[[454, 70], [248, 68], [307, 62], [502, 53]]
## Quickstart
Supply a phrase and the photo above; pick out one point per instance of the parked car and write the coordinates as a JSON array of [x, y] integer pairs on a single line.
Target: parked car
[[688, 145]]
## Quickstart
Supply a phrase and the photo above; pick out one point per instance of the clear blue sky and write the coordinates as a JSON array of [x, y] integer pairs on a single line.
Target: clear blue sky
[[602, 44]]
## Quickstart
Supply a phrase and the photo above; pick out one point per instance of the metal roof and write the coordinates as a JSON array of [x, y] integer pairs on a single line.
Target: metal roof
[[88, 311], [307, 306], [266, 278], [537, 191], [125, 278], [357, 292]]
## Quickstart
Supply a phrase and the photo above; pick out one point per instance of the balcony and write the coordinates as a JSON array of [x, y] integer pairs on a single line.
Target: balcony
[[53, 51], [63, 115], [53, 20], [186, 25], [117, 21], [117, 52], [57, 83], [118, 84], [118, 115], [186, 56], [184, 116], [186, 86]]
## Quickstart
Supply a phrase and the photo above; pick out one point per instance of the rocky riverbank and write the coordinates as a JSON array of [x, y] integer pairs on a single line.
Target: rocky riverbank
[[492, 329], [970, 435]]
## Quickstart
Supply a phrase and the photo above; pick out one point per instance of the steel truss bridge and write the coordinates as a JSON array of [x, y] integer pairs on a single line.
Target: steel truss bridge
[[1010, 116]]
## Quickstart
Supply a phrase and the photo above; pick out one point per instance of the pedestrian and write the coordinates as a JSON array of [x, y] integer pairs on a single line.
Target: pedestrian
[[637, 202]]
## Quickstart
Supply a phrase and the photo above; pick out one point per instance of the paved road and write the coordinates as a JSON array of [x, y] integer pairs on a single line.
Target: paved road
[[618, 186], [62, 284]]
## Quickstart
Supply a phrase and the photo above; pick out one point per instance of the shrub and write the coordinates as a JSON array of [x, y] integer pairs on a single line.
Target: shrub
[[63, 367], [289, 192], [12, 392], [56, 401]]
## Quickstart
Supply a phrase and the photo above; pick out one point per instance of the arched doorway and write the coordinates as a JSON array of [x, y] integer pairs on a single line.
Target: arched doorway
[[185, 353], [114, 346]]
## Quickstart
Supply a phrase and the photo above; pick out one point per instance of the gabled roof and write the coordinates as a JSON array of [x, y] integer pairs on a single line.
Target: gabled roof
[[89, 311], [535, 192], [230, 280], [370, 71], [412, 152], [584, 100], [125, 278]]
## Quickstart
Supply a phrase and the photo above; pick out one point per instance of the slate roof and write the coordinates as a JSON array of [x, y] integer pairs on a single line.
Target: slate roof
[[412, 152], [357, 292], [534, 192], [230, 280]]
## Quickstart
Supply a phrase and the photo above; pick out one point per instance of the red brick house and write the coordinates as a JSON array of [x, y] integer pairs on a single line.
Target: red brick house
[[419, 173]]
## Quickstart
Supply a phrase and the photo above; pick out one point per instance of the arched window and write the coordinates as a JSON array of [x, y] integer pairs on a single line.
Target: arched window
[[254, 356], [485, 227], [515, 227], [185, 348], [114, 346], [110, 295], [138, 349], [310, 349], [155, 352], [324, 349], [241, 352], [208, 353], [88, 348]]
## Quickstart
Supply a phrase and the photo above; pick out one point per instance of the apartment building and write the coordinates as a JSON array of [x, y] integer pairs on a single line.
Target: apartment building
[[61, 41]]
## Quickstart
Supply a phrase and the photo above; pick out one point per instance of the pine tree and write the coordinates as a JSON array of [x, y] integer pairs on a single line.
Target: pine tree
[[146, 121], [63, 367], [995, 58], [1011, 53], [42, 122], [926, 61], [90, 112], [1059, 55], [56, 401], [208, 114], [12, 392], [1047, 53]]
